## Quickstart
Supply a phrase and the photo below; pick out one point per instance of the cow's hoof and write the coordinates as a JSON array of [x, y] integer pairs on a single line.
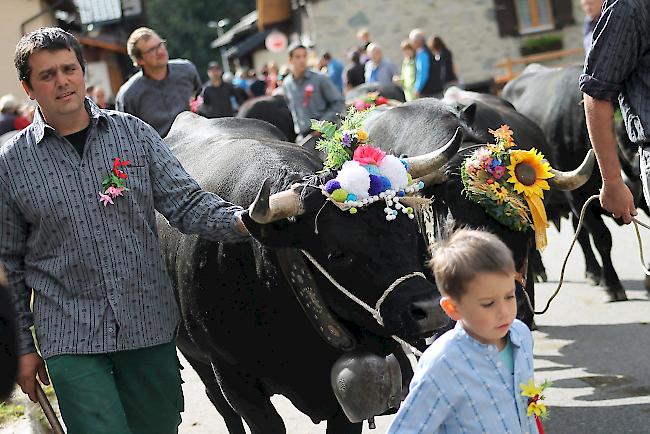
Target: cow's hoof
[[541, 277], [592, 278], [615, 295]]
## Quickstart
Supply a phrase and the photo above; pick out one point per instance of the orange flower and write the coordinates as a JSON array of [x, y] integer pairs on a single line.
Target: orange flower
[[503, 136]]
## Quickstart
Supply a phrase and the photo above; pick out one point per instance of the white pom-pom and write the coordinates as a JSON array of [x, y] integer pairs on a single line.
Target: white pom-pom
[[354, 179], [393, 169]]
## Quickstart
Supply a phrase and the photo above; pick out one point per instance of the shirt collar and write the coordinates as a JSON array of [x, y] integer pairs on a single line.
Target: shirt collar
[[39, 126], [515, 337]]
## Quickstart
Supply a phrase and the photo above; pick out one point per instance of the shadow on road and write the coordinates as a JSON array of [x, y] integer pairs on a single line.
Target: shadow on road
[[602, 375]]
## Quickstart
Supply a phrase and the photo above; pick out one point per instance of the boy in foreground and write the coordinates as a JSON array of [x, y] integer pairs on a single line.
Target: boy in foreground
[[468, 380]]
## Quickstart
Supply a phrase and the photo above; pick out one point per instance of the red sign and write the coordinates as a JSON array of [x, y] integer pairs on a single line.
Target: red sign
[[276, 42]]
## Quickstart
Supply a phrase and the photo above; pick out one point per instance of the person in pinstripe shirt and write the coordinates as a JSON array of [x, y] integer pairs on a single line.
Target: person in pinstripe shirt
[[104, 311], [618, 70], [468, 380]]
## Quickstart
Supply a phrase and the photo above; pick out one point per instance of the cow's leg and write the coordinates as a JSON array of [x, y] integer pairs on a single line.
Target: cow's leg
[[231, 418], [246, 395], [603, 242], [593, 270], [340, 424]]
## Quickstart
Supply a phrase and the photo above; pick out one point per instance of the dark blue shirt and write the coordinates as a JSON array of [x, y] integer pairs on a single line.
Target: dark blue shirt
[[618, 64]]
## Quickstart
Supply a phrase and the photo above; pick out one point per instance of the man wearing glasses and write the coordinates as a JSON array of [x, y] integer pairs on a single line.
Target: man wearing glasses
[[163, 88]]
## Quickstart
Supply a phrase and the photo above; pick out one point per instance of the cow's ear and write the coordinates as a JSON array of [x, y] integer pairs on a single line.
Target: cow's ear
[[468, 113]]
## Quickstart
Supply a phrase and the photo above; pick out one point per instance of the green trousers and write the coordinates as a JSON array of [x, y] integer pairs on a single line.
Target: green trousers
[[126, 392]]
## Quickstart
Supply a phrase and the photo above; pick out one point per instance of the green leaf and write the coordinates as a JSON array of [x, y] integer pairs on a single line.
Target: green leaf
[[326, 128]]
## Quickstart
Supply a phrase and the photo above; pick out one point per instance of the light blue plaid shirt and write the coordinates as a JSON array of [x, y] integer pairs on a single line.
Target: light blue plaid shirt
[[462, 386]]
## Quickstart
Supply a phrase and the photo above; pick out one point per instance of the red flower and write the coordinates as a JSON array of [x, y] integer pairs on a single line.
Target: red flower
[[381, 100], [117, 164], [309, 91], [368, 155]]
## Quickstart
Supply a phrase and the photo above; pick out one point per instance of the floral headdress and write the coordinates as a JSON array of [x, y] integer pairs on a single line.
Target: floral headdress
[[371, 99], [365, 173], [509, 184]]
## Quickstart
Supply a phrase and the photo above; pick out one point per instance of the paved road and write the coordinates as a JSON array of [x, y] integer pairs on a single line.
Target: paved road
[[596, 354]]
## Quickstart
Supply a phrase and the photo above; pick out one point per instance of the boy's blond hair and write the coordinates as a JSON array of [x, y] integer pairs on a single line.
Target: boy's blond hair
[[141, 33], [466, 253]]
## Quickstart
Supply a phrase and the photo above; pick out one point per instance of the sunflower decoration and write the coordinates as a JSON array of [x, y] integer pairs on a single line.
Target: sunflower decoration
[[509, 183]]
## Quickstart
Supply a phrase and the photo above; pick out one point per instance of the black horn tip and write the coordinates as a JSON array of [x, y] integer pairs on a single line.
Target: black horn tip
[[259, 209]]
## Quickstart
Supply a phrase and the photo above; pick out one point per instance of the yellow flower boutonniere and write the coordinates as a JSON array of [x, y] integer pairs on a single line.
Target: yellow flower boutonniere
[[536, 406]]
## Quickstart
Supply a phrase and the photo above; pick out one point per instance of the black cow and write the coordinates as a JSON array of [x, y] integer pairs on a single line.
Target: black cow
[[8, 343], [552, 99], [241, 316], [415, 128], [272, 109]]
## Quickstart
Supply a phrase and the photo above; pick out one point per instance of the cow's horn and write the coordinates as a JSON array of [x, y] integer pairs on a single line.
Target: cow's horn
[[576, 178], [422, 165], [268, 208]]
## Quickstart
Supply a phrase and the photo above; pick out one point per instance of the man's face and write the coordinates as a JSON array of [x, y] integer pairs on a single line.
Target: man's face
[[375, 55], [214, 73], [154, 52], [298, 60], [591, 8], [57, 83], [487, 308]]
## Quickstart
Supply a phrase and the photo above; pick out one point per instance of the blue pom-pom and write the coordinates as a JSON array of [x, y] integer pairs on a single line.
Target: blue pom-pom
[[386, 185], [401, 193], [372, 169], [332, 185], [406, 165], [421, 185], [375, 185], [352, 197]]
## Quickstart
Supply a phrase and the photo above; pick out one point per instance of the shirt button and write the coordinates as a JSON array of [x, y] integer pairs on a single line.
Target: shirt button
[[110, 329], [98, 232]]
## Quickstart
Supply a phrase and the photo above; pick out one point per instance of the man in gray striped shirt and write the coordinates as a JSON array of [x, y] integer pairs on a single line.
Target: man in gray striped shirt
[[78, 189], [618, 69], [163, 88]]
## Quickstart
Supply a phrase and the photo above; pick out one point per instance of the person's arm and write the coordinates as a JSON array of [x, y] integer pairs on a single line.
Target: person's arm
[[13, 242], [613, 57], [335, 104], [421, 72], [198, 86], [615, 196], [425, 408], [179, 198]]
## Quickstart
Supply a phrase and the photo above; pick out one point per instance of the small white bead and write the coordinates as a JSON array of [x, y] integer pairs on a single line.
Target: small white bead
[[411, 216], [382, 194]]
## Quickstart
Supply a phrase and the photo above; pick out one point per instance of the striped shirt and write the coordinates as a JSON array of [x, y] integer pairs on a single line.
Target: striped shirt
[[462, 386], [99, 279], [618, 64]]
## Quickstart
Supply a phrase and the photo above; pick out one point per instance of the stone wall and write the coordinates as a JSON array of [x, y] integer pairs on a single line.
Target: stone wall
[[468, 27]]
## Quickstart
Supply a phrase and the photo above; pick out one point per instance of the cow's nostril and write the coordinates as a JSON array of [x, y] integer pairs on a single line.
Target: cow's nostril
[[417, 313]]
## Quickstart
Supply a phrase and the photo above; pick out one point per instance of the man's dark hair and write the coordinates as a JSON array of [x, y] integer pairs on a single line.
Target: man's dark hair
[[327, 56], [293, 47], [46, 38]]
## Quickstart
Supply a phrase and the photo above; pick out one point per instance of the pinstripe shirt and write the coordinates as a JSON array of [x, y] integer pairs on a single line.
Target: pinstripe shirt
[[462, 386], [618, 64], [99, 279]]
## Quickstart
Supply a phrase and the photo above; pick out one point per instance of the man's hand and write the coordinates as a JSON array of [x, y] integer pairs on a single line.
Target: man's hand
[[617, 198], [28, 366]]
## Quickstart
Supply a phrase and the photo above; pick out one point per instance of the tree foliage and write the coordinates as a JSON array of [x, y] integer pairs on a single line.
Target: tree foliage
[[184, 23]]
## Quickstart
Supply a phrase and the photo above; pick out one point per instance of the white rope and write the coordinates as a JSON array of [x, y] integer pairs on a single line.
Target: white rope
[[375, 312], [575, 237]]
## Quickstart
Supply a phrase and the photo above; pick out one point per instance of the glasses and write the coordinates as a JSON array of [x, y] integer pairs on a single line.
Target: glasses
[[155, 48]]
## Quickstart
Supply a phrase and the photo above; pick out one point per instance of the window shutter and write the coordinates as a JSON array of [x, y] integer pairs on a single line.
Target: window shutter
[[506, 16], [563, 13]]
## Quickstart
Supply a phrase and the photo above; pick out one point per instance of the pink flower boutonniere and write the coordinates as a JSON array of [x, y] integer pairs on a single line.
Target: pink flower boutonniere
[[114, 182], [309, 91]]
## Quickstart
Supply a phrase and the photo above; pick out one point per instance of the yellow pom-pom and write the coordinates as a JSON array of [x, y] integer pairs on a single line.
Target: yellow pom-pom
[[353, 210], [409, 179], [339, 195]]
